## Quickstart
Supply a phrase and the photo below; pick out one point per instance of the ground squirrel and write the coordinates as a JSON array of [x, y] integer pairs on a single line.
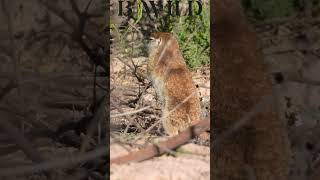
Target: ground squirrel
[[173, 83], [240, 81]]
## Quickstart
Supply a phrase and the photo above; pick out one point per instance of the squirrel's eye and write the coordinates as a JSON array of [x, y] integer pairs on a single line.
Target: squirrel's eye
[[151, 38]]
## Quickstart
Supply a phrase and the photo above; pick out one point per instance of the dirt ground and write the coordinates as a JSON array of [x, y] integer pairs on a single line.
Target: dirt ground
[[191, 162]]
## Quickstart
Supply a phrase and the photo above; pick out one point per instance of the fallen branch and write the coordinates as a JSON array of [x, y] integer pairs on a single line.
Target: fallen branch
[[162, 147]]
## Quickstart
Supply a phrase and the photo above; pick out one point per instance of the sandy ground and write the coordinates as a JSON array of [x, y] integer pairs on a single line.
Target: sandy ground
[[193, 162]]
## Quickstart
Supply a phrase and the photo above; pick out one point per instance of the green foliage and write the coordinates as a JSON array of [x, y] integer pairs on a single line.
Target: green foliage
[[121, 35], [193, 33]]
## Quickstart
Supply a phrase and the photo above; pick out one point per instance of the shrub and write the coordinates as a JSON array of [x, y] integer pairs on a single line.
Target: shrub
[[193, 33]]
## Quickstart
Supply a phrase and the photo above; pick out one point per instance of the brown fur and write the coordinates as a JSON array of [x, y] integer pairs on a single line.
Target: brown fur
[[173, 83], [240, 82]]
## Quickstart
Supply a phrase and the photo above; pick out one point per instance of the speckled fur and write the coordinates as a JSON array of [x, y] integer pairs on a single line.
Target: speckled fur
[[173, 83], [240, 81]]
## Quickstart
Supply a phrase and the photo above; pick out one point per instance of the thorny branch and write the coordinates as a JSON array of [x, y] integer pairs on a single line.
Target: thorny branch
[[78, 29], [22, 140]]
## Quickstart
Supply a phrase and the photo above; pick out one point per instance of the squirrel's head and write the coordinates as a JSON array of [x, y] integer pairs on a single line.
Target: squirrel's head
[[164, 51], [161, 41]]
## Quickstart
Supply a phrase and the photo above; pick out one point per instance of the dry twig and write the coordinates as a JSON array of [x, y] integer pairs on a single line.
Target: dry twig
[[130, 112]]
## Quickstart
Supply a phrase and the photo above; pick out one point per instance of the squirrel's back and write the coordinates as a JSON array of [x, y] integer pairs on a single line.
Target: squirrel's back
[[173, 83]]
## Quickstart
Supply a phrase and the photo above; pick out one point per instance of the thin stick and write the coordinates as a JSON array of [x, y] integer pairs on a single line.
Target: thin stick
[[129, 113]]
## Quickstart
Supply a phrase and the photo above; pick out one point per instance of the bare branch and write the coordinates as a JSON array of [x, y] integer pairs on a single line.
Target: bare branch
[[98, 115], [75, 7], [87, 6], [129, 113], [58, 12], [163, 147]]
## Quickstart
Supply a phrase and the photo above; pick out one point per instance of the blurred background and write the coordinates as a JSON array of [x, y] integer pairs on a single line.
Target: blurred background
[[53, 80]]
